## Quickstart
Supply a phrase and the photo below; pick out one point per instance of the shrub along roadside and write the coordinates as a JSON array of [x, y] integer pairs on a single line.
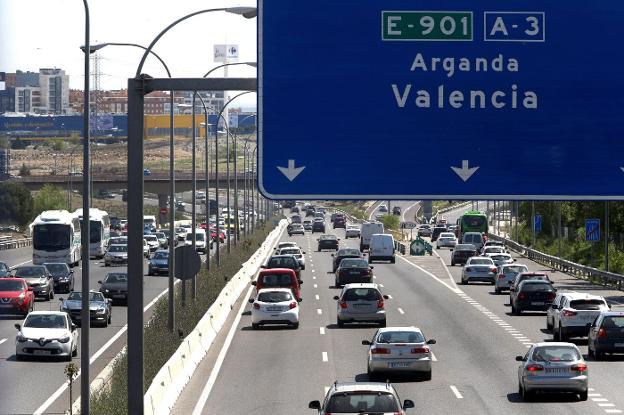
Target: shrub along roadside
[[159, 343]]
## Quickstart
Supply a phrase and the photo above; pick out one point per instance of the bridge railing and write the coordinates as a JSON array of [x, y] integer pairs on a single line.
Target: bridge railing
[[7, 242]]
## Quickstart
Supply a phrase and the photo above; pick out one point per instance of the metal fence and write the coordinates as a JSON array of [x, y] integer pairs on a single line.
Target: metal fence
[[7, 242]]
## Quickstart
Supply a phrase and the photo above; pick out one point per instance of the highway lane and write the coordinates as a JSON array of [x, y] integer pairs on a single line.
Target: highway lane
[[46, 377], [475, 371]]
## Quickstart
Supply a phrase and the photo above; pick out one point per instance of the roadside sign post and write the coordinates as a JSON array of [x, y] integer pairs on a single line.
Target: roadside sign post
[[510, 90], [592, 230]]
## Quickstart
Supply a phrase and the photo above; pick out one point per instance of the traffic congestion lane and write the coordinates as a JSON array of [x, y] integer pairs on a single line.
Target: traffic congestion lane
[[475, 366], [531, 327]]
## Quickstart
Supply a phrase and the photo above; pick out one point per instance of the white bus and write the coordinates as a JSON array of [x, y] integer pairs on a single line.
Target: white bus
[[99, 231], [56, 238]]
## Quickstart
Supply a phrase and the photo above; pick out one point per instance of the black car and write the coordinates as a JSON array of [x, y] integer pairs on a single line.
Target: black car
[[62, 275], [100, 309], [284, 261], [39, 278], [318, 226], [4, 270], [353, 270], [327, 242], [396, 210], [344, 253], [310, 211], [532, 295], [115, 286], [294, 209], [340, 222], [437, 230], [462, 252]]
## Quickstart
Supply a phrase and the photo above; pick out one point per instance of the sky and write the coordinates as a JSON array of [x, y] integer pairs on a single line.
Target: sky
[[48, 34]]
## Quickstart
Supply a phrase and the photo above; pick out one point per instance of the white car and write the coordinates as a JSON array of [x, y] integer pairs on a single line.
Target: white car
[[274, 306], [479, 268], [296, 252], [282, 245], [501, 259], [46, 333], [146, 249], [152, 241], [493, 249], [383, 208], [446, 239], [200, 240], [352, 231], [571, 312]]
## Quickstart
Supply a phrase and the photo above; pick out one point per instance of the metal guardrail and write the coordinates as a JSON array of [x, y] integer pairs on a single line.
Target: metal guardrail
[[14, 243]]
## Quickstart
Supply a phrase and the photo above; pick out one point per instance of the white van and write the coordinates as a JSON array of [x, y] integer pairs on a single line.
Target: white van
[[474, 238], [381, 248], [366, 231], [200, 240]]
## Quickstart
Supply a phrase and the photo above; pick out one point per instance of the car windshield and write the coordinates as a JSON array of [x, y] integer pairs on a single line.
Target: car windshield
[[150, 238], [160, 235], [500, 257], [447, 235], [353, 263], [51, 237], [368, 294], [290, 251], [274, 297], [56, 268], [533, 277], [118, 248], [555, 354], [77, 296], [161, 255], [282, 262], [46, 321], [119, 241], [481, 261], [29, 272], [472, 238], [400, 337], [276, 280], [587, 304], [362, 402], [117, 277], [11, 285], [493, 249]]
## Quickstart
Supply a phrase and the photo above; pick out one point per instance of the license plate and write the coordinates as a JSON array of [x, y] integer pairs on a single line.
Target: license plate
[[274, 309], [360, 305], [618, 344], [588, 317], [557, 370], [354, 273], [399, 364], [42, 352], [538, 303]]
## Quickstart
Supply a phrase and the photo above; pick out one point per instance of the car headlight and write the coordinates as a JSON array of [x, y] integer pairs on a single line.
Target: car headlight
[[64, 339], [20, 338], [101, 310]]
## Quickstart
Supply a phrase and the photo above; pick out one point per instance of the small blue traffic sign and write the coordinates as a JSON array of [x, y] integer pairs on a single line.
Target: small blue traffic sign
[[537, 223], [592, 230]]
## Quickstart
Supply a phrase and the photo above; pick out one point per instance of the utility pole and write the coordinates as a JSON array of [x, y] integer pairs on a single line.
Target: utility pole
[[607, 236]]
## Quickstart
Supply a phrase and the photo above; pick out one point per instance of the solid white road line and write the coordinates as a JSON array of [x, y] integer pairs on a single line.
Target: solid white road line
[[322, 330], [433, 358], [313, 278], [325, 359], [606, 405], [600, 399], [21, 263], [2, 341], [456, 392], [203, 398]]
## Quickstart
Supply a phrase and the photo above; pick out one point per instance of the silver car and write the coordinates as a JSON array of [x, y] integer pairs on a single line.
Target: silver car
[[361, 398], [116, 255], [479, 268], [361, 303], [352, 231], [501, 259], [507, 275], [446, 239], [399, 349], [552, 367]]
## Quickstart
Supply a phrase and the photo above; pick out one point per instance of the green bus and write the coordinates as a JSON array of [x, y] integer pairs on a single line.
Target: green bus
[[472, 221]]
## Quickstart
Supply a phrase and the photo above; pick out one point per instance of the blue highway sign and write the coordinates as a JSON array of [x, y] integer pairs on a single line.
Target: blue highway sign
[[488, 100], [592, 230]]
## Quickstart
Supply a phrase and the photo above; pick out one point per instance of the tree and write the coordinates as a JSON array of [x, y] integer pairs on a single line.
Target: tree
[[16, 204], [24, 170], [50, 197]]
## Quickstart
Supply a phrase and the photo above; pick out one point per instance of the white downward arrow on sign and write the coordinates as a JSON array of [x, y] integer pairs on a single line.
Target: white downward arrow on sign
[[465, 172], [291, 172]]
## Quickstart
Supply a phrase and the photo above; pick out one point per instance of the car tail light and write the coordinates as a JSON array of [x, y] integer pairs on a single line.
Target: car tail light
[[343, 304], [602, 333], [521, 296], [380, 303], [581, 367], [256, 306], [292, 305], [551, 296], [380, 350], [493, 269], [419, 350], [501, 277], [534, 368], [569, 313]]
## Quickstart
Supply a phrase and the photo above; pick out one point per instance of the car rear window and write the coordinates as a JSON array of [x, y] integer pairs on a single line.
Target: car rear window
[[555, 354], [355, 294], [465, 247], [535, 286], [276, 280], [613, 322], [274, 297], [328, 238], [481, 261], [587, 304], [362, 402], [400, 337], [354, 263], [111, 278], [285, 262]]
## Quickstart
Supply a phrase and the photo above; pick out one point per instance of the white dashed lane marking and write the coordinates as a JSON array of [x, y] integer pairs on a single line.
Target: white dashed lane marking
[[325, 359], [322, 330], [401, 310], [2, 341], [319, 311], [456, 392], [317, 297]]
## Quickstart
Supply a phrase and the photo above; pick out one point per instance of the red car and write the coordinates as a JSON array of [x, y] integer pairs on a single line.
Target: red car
[[278, 278], [213, 235], [16, 297]]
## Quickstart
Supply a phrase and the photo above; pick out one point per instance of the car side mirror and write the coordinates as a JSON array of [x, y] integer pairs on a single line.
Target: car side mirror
[[519, 359], [251, 300], [254, 283], [61, 299], [18, 326], [371, 267], [431, 341], [263, 266], [338, 239], [332, 255], [366, 343], [99, 281], [554, 307], [386, 297], [71, 271], [408, 403], [73, 327], [336, 297], [314, 405]]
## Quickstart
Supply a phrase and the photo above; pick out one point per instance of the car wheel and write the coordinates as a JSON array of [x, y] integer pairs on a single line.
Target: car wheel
[[426, 375], [339, 323], [110, 318], [556, 334], [562, 337], [51, 295], [74, 352], [514, 310], [452, 264], [583, 396], [590, 352], [393, 260], [463, 281], [382, 323], [549, 326], [526, 395], [255, 326], [598, 355], [497, 290]]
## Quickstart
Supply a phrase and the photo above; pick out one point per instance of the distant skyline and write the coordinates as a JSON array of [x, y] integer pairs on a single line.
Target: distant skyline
[[47, 34]]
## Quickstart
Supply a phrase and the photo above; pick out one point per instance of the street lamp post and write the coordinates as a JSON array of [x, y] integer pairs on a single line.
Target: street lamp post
[[236, 207]]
